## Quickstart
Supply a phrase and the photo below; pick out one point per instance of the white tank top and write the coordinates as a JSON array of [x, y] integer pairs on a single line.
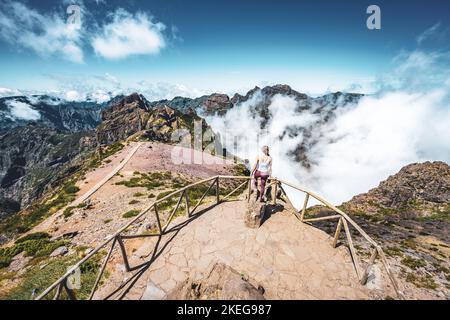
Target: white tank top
[[263, 166]]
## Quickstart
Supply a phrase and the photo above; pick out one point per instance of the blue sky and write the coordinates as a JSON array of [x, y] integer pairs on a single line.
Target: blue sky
[[203, 46]]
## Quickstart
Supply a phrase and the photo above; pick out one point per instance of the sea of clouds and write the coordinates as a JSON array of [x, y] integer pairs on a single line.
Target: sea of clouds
[[406, 120]]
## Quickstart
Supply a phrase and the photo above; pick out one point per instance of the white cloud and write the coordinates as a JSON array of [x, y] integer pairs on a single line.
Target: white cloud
[[406, 121], [73, 95], [376, 138], [6, 92], [128, 35], [47, 35], [23, 111]]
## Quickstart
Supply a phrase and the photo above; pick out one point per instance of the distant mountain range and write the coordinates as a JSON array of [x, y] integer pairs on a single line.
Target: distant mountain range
[[42, 137], [71, 116]]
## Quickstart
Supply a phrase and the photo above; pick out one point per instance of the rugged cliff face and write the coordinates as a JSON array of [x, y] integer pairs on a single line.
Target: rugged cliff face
[[214, 104], [418, 190], [134, 114], [123, 119], [409, 216], [34, 157]]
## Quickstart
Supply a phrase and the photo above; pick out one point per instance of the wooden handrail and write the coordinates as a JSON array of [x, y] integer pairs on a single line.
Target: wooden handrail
[[344, 220]]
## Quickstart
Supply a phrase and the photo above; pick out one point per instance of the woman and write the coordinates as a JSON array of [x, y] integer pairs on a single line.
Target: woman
[[262, 169]]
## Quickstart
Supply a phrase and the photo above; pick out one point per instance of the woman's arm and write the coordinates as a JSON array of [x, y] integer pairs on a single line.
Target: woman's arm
[[254, 166], [270, 166]]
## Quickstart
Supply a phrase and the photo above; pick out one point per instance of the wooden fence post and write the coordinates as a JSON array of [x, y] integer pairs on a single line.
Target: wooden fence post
[[102, 269], [158, 220], [217, 191], [304, 207], [352, 249], [186, 198], [274, 194], [249, 189], [124, 252], [69, 291], [365, 275], [338, 231]]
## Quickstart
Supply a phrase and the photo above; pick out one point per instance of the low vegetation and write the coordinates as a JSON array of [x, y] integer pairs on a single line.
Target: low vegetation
[[422, 281], [105, 153], [150, 181], [69, 210], [130, 214], [41, 275], [33, 245], [413, 263], [23, 222]]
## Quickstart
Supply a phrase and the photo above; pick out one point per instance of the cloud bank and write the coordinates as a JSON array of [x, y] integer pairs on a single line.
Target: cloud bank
[[23, 111], [406, 121]]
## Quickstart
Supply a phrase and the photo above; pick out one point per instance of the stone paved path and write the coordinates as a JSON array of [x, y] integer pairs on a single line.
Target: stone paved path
[[289, 259]]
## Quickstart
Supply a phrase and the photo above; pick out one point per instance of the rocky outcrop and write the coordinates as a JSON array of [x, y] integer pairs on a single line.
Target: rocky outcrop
[[417, 190], [408, 214], [133, 114], [255, 213], [214, 104], [221, 283], [123, 119]]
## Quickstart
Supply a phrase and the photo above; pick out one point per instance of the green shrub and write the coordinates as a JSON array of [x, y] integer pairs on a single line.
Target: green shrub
[[134, 201], [40, 278], [413, 263], [163, 194], [39, 247], [33, 236], [68, 212], [5, 261], [71, 188], [138, 194], [130, 214]]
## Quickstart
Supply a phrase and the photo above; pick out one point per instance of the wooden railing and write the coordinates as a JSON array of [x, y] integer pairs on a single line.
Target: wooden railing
[[61, 285], [342, 220]]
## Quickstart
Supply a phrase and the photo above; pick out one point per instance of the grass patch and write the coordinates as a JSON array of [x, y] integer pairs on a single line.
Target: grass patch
[[151, 181], [413, 263], [394, 251], [69, 210], [134, 201], [105, 153], [33, 236], [138, 194], [36, 246], [37, 279], [426, 281], [130, 214], [23, 222], [106, 221]]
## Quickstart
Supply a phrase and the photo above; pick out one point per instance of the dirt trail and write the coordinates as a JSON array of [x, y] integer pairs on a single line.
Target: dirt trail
[[107, 172]]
